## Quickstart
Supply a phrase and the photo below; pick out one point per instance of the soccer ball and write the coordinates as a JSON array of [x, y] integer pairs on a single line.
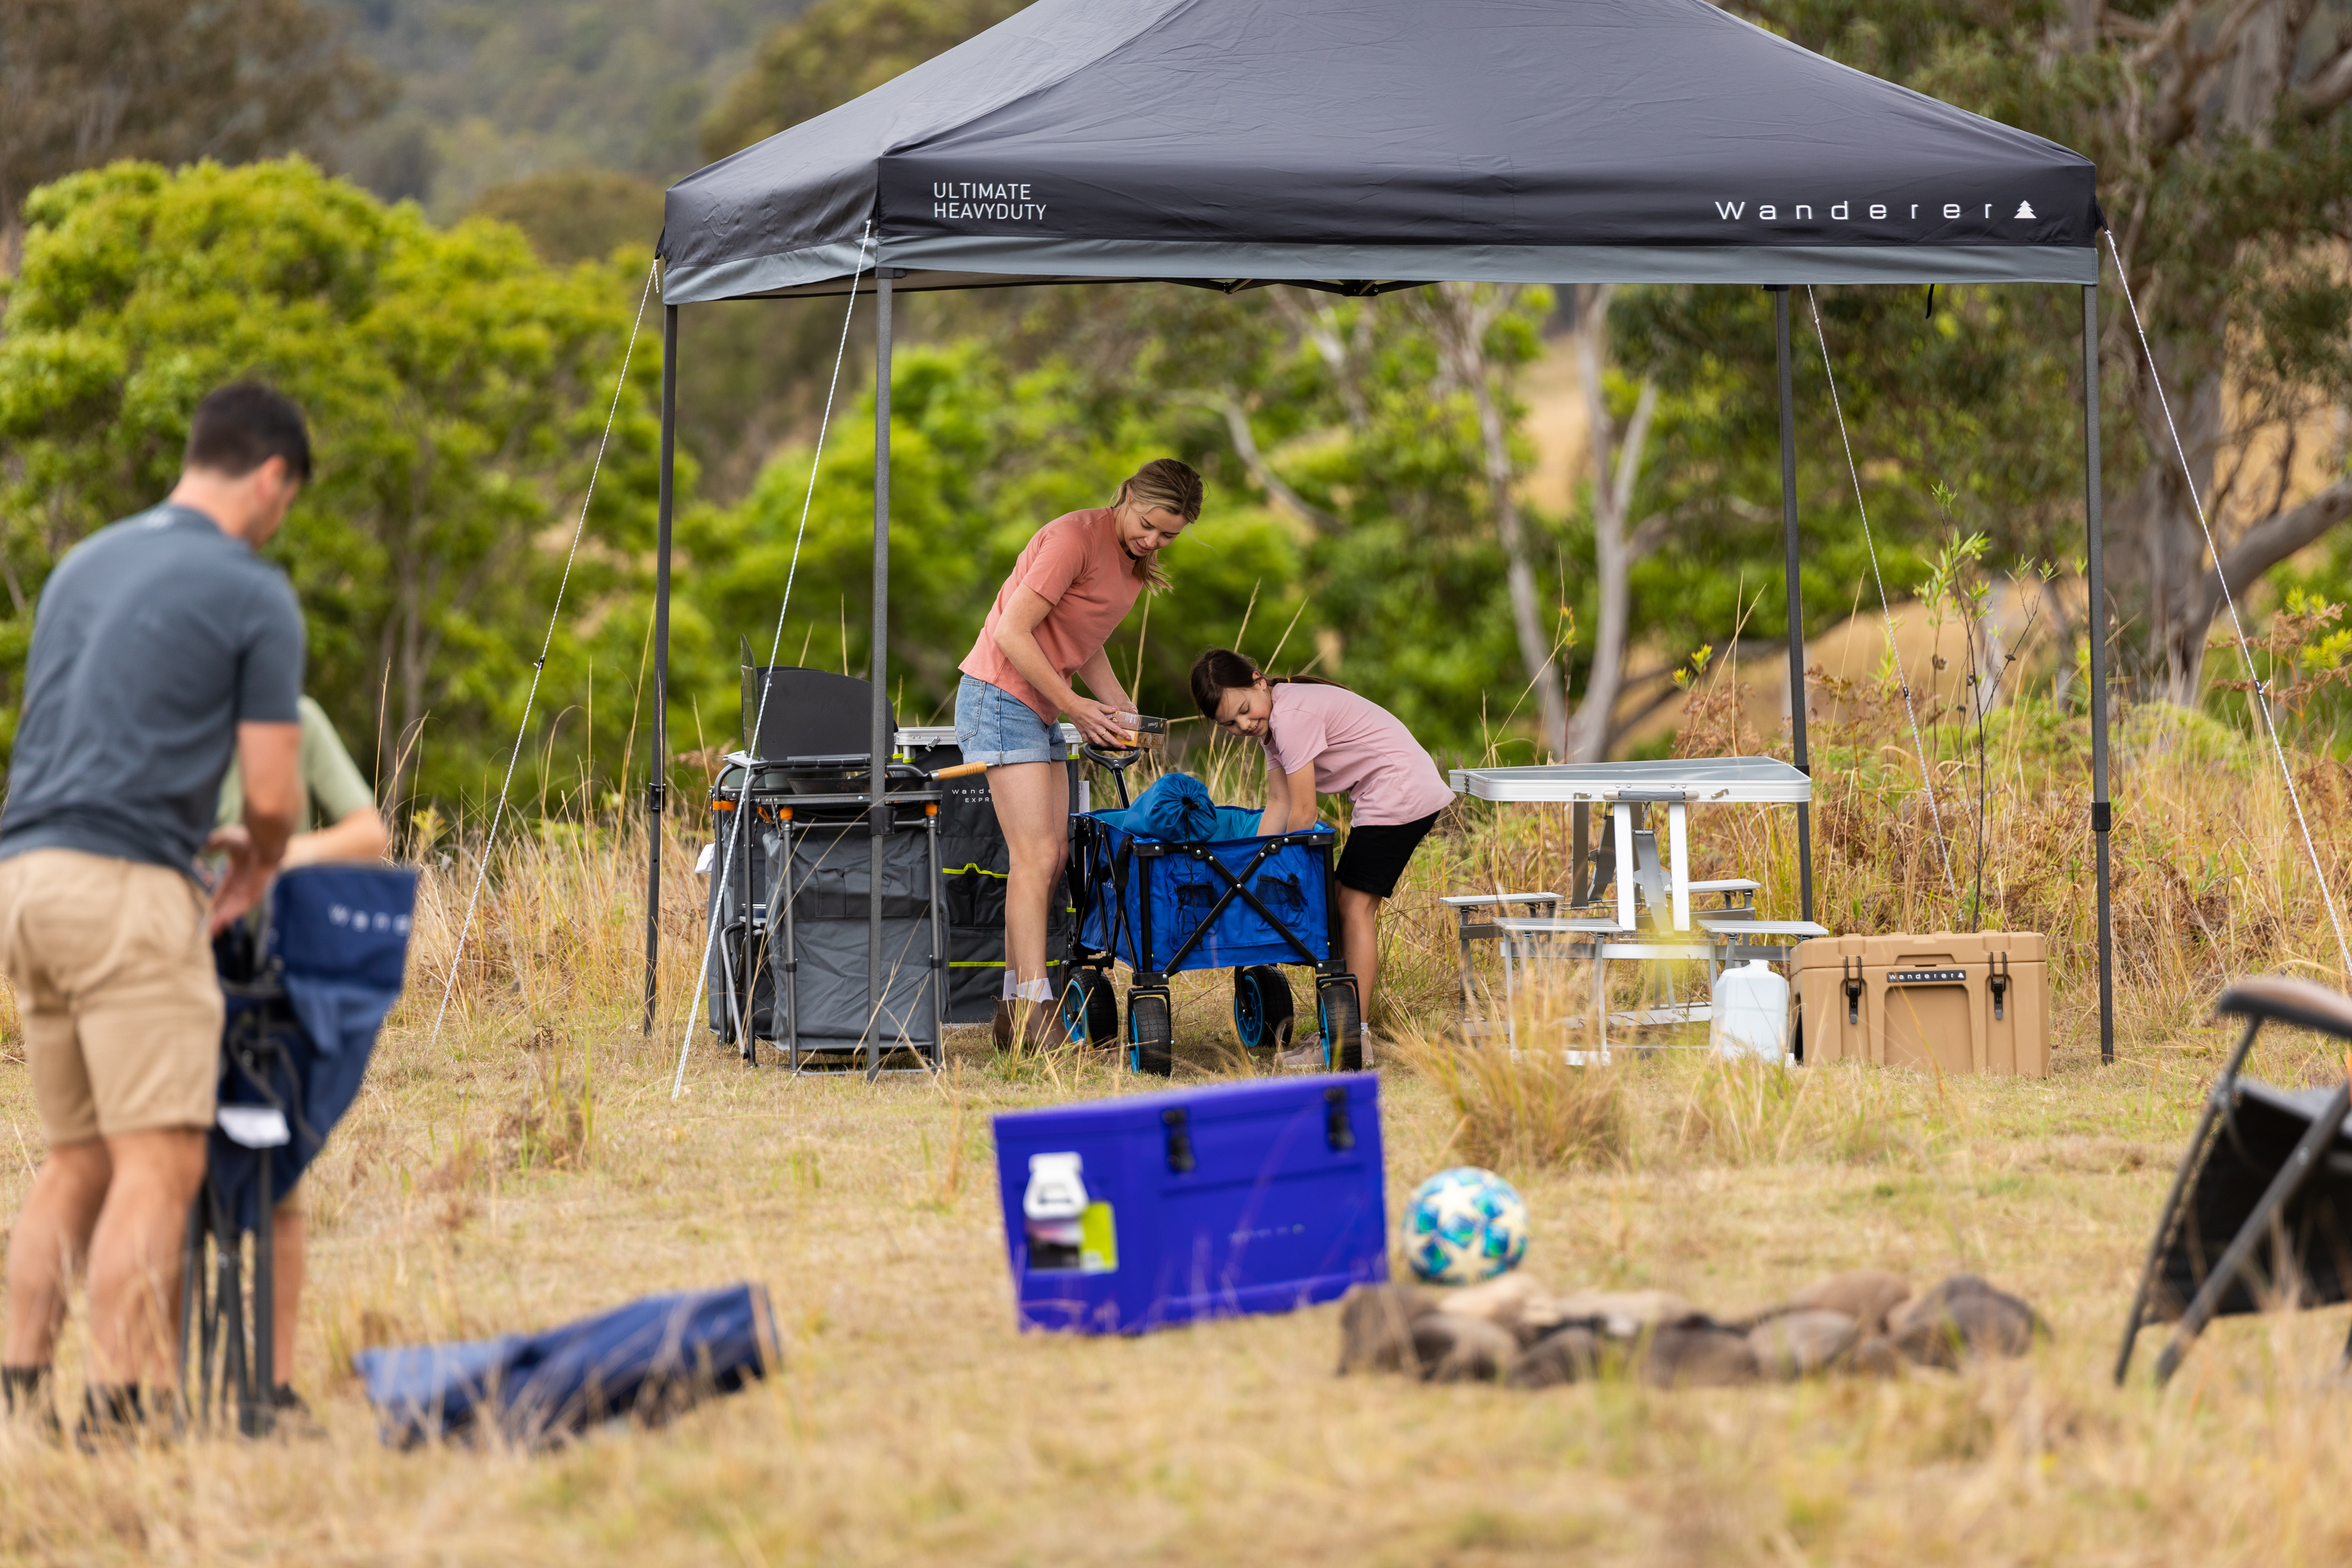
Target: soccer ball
[[1463, 1225]]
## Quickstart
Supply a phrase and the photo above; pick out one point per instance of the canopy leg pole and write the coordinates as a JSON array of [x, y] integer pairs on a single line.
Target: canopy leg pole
[[2095, 573], [1796, 595], [657, 777], [877, 782]]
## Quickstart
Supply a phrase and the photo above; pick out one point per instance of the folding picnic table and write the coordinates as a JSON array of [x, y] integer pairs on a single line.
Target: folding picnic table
[[1626, 790], [1624, 786]]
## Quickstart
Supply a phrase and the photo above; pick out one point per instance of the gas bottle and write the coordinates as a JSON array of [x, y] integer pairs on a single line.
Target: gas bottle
[[1750, 1018]]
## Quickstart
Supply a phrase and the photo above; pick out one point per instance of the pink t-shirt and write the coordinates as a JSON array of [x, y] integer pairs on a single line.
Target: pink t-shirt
[[1359, 749], [1075, 564]]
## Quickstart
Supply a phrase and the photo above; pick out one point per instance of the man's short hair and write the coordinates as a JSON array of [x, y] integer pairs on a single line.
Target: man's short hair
[[242, 426]]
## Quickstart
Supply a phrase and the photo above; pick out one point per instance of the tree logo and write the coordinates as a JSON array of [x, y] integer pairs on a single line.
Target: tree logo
[[2024, 209]]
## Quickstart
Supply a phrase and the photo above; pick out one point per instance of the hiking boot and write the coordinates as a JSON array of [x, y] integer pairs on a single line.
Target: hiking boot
[[28, 1402], [1000, 1028], [113, 1417], [1043, 1029], [292, 1416], [1307, 1057]]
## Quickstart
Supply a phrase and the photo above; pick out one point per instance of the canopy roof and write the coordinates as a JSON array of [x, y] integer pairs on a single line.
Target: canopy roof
[[1363, 143]]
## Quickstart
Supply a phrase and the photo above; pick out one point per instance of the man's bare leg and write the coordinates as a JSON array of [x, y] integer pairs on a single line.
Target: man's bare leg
[[289, 1234], [134, 1256], [49, 1245]]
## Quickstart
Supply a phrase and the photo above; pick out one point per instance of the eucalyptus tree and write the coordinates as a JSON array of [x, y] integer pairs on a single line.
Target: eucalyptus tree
[[457, 390], [2223, 132]]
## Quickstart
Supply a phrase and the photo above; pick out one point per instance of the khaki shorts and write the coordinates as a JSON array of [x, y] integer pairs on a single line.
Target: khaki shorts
[[114, 978]]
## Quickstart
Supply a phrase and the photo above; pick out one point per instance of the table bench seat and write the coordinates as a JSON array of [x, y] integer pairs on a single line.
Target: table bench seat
[[1716, 925]]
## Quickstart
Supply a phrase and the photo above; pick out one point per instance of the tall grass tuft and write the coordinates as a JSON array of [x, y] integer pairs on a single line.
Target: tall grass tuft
[[1522, 1109]]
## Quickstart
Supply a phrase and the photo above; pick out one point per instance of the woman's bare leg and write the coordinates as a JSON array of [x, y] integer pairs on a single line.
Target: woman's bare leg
[[1359, 941], [1033, 811]]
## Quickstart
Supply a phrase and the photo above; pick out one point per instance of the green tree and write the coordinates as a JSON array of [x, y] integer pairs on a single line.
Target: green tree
[[494, 92], [456, 390], [835, 52], [88, 81], [2224, 147], [577, 215]]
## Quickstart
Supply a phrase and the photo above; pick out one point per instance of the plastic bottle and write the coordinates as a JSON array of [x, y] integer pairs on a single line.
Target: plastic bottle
[[1052, 1206], [1750, 1017]]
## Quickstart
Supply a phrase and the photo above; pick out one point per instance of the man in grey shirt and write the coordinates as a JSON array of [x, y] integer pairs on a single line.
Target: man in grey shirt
[[160, 645]]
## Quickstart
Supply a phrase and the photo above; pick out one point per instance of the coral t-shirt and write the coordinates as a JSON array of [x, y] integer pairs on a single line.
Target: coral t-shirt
[[1075, 564], [1359, 749]]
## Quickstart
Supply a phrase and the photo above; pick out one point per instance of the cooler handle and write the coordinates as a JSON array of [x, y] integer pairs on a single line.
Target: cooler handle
[[1180, 1140], [1336, 1133]]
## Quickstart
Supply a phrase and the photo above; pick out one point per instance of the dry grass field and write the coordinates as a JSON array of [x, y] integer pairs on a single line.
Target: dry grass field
[[532, 1166]]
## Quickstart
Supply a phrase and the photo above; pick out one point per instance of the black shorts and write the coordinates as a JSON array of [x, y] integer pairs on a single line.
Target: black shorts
[[1375, 856]]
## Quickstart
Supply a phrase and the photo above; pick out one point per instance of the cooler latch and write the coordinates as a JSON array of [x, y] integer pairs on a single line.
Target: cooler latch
[[1336, 1130], [1851, 969], [1180, 1139], [1998, 980]]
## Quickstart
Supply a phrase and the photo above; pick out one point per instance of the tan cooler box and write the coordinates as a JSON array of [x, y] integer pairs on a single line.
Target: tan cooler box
[[1975, 1002]]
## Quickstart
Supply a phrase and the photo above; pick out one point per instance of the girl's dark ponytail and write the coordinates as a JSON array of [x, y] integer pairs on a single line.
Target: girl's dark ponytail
[[1221, 670]]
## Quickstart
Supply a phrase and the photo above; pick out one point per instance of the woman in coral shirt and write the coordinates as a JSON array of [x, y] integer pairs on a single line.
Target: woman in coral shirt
[[1073, 584]]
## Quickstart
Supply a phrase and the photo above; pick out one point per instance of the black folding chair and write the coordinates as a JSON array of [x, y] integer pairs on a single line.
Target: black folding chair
[[305, 997], [2264, 1165], [231, 1334]]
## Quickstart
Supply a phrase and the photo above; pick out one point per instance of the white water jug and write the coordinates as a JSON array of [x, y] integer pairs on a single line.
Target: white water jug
[[1749, 1015]]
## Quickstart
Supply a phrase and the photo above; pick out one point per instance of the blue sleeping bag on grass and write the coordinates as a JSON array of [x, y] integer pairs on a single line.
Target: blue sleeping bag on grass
[[1177, 809], [650, 1358]]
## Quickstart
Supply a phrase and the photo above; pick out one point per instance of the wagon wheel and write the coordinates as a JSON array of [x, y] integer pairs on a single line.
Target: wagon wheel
[[1150, 1034], [1090, 1008], [1343, 1039], [1262, 1009]]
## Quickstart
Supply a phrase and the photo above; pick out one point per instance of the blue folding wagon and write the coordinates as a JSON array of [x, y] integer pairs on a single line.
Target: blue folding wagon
[[1163, 906]]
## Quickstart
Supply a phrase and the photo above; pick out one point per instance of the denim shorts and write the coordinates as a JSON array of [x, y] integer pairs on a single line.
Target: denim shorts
[[994, 727]]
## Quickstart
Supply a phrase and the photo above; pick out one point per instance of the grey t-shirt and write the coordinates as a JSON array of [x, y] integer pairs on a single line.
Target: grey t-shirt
[[153, 639]]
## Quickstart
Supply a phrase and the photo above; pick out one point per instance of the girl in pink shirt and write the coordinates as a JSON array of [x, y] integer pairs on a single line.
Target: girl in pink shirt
[[1322, 739], [1073, 584]]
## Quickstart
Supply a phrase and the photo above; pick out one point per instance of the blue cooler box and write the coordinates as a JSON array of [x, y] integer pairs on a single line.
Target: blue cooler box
[[1132, 1214]]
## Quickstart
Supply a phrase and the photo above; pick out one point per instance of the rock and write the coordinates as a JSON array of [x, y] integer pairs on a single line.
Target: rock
[[1621, 1314], [1512, 1301], [1865, 1294], [1376, 1327], [1696, 1355], [1802, 1343], [1962, 1316], [1565, 1356], [1454, 1349], [1875, 1358]]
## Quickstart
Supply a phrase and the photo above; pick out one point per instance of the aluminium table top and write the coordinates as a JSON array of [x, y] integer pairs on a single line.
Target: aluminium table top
[[1696, 780]]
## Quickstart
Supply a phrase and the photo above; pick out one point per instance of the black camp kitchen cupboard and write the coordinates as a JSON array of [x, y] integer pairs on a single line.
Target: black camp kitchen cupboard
[[794, 969]]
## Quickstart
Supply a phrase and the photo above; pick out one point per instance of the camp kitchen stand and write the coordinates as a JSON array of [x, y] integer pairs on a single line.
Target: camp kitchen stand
[[795, 861], [1631, 866]]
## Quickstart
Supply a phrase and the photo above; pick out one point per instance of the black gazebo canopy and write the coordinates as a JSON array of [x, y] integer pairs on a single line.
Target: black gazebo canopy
[[1362, 145]]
